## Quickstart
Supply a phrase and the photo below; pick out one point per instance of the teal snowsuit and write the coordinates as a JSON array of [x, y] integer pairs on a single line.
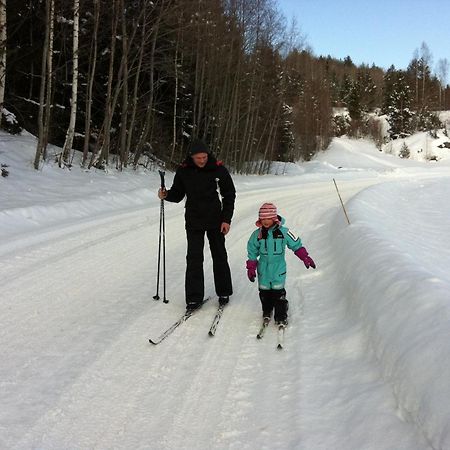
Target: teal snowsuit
[[270, 251]]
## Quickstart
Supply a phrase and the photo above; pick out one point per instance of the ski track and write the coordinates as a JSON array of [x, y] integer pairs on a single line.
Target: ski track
[[87, 377]]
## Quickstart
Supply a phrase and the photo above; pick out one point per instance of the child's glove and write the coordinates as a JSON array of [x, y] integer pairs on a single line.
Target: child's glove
[[251, 269], [303, 255]]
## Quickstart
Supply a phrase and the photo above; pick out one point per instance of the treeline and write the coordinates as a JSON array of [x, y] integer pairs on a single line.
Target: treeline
[[130, 82], [409, 98]]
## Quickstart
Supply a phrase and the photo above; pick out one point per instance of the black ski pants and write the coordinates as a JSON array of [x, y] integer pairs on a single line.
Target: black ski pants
[[274, 299], [194, 283]]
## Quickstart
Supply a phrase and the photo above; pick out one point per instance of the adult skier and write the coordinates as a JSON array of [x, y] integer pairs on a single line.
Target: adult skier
[[198, 179]]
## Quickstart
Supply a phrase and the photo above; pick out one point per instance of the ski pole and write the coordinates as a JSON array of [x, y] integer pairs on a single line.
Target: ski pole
[[161, 246], [156, 296], [163, 186]]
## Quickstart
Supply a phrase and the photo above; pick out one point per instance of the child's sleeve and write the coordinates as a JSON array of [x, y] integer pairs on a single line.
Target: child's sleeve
[[253, 247], [292, 241]]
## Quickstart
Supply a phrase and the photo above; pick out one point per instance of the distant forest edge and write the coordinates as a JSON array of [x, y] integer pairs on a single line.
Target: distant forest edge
[[129, 82]]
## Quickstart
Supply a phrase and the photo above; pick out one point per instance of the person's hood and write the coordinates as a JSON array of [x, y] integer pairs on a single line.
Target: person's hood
[[212, 162]]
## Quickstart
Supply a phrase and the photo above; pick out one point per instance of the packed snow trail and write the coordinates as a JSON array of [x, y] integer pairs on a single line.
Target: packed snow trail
[[78, 370]]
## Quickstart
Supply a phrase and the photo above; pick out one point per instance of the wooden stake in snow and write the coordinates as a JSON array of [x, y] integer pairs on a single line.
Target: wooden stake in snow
[[342, 203]]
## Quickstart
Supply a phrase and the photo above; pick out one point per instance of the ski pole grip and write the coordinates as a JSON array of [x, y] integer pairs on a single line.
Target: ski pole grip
[[161, 174]]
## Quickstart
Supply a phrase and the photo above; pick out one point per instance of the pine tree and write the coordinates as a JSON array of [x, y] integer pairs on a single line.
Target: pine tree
[[400, 116], [346, 87], [287, 140], [354, 102], [388, 86], [404, 151], [367, 89]]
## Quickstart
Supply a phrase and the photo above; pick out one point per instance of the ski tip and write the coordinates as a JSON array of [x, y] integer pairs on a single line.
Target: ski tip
[[258, 336], [152, 342], [211, 334], [279, 347]]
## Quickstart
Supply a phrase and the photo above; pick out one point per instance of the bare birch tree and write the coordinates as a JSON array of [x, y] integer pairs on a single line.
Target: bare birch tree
[[442, 73], [49, 79], [416, 75], [73, 102], [426, 58]]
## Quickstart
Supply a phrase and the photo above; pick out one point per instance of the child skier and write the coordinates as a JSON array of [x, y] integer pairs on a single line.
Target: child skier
[[268, 244]]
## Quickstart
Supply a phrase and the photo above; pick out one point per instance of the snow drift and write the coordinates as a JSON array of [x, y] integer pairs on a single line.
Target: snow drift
[[399, 287]]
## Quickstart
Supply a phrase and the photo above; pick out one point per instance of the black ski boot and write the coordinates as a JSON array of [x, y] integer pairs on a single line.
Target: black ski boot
[[192, 306], [223, 300], [282, 322]]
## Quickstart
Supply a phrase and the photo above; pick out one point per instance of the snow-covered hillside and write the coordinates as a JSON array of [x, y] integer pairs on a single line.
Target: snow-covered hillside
[[367, 356]]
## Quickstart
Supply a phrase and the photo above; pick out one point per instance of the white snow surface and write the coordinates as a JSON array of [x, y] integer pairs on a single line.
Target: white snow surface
[[366, 361]]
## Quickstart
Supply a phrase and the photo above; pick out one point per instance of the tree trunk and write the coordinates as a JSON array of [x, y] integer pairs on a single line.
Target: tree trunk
[[73, 102], [90, 82], [31, 43], [124, 115], [136, 83], [104, 138], [175, 103], [48, 98], [2, 52], [149, 112], [45, 51]]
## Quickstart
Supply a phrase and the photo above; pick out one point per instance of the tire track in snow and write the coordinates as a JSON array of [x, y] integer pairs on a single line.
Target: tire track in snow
[[47, 247], [69, 320]]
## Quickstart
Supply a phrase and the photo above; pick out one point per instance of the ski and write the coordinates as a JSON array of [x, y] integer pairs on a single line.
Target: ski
[[262, 330], [215, 323], [280, 332], [176, 324], [280, 336]]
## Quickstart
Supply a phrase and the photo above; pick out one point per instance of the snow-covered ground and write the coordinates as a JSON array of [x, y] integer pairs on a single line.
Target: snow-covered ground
[[367, 357]]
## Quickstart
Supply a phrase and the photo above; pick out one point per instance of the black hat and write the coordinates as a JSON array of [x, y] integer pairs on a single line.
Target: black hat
[[198, 146]]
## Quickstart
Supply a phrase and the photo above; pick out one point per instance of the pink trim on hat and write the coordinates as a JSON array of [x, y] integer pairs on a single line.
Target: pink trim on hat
[[276, 220]]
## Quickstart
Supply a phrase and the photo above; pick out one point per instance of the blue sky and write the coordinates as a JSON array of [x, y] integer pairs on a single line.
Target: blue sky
[[383, 32]]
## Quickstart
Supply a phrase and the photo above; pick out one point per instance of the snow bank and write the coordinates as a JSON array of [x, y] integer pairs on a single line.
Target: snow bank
[[18, 220], [394, 261], [33, 200]]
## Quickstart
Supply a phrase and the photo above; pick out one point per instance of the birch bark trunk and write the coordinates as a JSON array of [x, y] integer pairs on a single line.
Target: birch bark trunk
[[73, 102]]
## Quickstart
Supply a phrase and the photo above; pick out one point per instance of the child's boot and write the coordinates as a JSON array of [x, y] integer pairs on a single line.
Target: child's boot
[[281, 309]]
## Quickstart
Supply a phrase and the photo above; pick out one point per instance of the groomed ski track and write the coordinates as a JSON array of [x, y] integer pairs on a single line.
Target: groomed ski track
[[78, 372]]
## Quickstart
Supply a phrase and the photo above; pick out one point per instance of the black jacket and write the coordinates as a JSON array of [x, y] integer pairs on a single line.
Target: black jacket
[[204, 210]]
